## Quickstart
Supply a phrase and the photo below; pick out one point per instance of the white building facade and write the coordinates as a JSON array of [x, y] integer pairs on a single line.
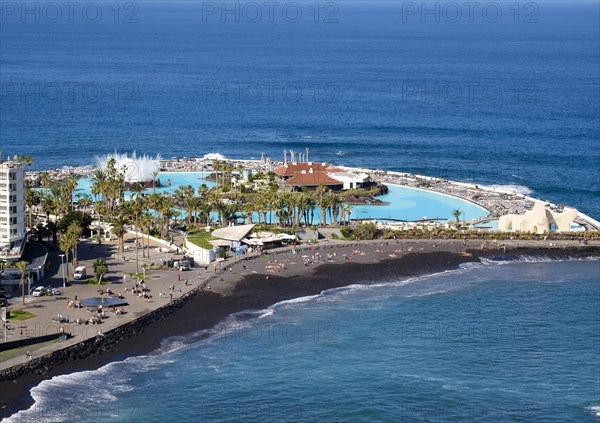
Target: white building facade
[[12, 208]]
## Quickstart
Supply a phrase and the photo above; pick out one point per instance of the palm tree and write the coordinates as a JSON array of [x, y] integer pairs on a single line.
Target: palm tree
[[321, 191], [70, 186], [146, 223], [84, 200], [40, 230], [192, 205], [32, 198], [135, 208], [346, 211], [51, 226], [456, 213], [154, 178], [22, 266], [165, 210], [68, 243], [100, 269], [119, 222], [26, 159], [137, 189]]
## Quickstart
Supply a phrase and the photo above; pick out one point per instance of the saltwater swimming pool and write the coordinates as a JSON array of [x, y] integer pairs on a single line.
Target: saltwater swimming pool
[[404, 203]]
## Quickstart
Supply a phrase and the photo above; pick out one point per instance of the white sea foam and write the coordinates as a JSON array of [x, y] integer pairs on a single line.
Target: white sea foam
[[213, 156], [510, 259], [267, 313], [295, 301], [58, 399], [594, 409], [510, 189]]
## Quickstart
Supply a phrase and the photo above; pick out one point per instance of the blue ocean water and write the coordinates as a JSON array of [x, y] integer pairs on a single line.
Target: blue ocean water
[[511, 102], [507, 94], [488, 342]]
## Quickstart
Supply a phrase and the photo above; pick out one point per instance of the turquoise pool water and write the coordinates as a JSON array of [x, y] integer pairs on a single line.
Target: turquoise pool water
[[407, 203], [402, 203], [177, 179]]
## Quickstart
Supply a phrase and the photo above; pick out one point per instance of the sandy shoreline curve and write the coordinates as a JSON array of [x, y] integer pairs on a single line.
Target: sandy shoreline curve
[[258, 282]]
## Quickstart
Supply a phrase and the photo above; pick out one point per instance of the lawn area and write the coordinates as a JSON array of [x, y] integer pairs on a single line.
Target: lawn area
[[20, 315], [20, 351], [201, 238], [94, 281]]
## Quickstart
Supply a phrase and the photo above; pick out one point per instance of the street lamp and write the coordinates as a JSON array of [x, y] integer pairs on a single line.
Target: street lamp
[[62, 260]]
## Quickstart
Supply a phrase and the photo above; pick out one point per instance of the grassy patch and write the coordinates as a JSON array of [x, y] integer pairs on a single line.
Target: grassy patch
[[94, 281], [20, 315], [20, 351], [138, 275], [201, 238]]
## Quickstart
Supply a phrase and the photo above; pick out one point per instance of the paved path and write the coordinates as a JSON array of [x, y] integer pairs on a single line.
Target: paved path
[[47, 308]]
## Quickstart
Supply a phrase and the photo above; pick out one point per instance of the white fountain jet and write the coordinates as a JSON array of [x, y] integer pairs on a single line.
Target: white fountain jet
[[137, 169]]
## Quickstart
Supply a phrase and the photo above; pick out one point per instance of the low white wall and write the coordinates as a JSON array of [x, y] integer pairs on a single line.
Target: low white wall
[[201, 256]]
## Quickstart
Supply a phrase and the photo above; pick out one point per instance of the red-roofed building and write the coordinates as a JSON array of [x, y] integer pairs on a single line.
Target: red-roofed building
[[313, 180], [311, 175], [290, 169]]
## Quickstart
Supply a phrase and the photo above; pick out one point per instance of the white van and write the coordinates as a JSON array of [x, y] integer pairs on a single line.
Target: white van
[[79, 272]]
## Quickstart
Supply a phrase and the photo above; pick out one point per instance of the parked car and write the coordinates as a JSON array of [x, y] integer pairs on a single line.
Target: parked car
[[55, 291], [3, 302], [80, 272], [39, 291]]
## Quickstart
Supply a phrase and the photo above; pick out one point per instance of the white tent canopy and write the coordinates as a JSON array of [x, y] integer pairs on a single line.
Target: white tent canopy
[[261, 238], [233, 233]]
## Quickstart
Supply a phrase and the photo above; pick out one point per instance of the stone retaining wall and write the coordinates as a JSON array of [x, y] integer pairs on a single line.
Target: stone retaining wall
[[95, 345]]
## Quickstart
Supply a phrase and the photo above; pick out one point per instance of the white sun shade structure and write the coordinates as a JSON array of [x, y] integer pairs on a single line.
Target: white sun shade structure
[[233, 233], [262, 238]]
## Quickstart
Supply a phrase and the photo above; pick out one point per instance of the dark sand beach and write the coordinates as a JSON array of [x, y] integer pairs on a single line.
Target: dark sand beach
[[254, 285]]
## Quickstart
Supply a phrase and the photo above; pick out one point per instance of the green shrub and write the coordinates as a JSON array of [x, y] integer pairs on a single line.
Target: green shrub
[[346, 232]]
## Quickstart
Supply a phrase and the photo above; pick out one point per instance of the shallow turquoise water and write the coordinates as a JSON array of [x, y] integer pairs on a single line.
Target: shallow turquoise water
[[411, 204]]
